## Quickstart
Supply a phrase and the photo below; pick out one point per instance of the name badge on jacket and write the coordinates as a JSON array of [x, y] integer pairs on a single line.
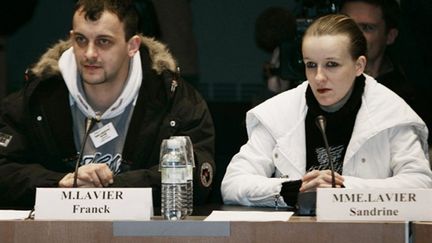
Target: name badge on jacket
[[103, 135]]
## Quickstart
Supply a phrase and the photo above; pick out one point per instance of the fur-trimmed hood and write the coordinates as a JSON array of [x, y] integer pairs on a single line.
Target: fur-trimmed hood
[[48, 63]]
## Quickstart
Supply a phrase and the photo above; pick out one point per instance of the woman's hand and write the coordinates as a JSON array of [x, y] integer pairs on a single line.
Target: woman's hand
[[320, 178]]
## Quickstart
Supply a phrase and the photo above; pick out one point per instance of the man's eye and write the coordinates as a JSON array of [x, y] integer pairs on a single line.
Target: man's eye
[[367, 27], [80, 39], [104, 42], [310, 65]]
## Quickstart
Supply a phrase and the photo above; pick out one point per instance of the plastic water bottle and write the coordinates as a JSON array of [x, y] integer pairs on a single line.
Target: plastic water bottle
[[174, 180], [190, 164]]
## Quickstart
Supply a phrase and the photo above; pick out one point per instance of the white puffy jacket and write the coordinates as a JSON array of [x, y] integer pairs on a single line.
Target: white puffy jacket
[[388, 147]]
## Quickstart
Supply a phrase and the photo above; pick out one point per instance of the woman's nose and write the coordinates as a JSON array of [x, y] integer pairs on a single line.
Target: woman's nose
[[320, 74]]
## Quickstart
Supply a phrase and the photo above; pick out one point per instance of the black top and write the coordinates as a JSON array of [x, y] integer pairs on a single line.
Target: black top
[[339, 128]]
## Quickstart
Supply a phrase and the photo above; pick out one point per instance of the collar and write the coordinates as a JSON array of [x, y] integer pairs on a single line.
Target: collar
[[68, 69], [352, 105]]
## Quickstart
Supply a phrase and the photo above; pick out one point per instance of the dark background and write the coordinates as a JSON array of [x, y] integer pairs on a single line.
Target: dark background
[[214, 44]]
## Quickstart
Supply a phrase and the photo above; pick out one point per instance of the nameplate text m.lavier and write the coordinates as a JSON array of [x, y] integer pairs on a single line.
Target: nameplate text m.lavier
[[94, 203]]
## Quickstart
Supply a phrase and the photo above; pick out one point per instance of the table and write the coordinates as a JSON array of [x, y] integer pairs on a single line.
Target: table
[[297, 229], [422, 232]]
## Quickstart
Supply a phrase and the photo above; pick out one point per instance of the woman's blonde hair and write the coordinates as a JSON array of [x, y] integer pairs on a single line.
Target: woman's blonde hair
[[340, 24]]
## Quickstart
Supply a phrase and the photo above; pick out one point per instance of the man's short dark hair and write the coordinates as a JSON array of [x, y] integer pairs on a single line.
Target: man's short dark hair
[[390, 10], [123, 9]]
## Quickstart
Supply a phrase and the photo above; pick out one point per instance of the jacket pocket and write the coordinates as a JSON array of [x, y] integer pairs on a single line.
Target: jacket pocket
[[284, 165]]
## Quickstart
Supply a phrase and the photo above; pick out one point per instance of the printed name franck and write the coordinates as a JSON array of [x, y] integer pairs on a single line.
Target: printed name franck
[[93, 210]]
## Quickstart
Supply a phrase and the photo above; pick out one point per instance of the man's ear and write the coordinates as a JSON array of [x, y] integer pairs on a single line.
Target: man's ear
[[134, 44], [391, 36]]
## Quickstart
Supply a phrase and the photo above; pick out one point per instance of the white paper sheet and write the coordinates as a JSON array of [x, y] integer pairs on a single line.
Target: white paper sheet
[[257, 216], [13, 214]]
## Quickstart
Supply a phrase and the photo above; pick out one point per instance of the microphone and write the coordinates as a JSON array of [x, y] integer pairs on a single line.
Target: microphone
[[321, 123], [89, 125], [306, 201]]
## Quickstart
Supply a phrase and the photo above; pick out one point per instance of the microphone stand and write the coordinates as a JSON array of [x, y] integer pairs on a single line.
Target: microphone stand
[[306, 201], [321, 123], [89, 125]]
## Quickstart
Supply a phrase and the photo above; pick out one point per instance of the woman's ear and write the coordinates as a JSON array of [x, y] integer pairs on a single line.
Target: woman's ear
[[360, 65]]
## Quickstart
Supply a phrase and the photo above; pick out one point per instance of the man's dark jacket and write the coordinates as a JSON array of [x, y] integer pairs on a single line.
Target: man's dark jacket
[[36, 138]]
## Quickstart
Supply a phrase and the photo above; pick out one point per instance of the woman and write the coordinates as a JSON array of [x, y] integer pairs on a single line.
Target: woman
[[376, 140]]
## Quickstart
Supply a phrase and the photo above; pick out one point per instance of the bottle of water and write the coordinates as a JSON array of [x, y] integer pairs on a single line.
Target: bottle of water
[[174, 180], [190, 164]]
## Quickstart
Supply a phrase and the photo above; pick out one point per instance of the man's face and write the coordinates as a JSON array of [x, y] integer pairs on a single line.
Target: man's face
[[101, 51], [371, 22]]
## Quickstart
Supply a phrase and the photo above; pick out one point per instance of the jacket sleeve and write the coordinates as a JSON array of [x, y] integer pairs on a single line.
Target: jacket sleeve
[[199, 127], [248, 179], [408, 166], [19, 174]]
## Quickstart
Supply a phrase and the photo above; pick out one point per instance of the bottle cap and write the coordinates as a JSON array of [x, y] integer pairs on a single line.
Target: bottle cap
[[173, 144]]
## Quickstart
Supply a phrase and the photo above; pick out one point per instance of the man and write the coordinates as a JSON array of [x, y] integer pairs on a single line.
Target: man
[[379, 21], [106, 92]]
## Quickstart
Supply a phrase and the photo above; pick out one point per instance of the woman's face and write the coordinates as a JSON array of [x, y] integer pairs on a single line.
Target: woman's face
[[330, 68]]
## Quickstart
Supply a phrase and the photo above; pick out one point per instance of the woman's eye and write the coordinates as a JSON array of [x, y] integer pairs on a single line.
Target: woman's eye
[[310, 65], [332, 64]]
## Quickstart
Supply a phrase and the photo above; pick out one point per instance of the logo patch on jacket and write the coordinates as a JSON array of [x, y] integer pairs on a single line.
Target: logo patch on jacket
[[5, 139], [206, 174]]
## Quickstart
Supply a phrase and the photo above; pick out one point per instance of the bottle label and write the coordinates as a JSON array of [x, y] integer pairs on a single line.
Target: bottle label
[[174, 175]]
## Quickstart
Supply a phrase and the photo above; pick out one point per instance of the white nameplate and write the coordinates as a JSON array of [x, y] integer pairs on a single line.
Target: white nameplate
[[339, 204], [94, 203]]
